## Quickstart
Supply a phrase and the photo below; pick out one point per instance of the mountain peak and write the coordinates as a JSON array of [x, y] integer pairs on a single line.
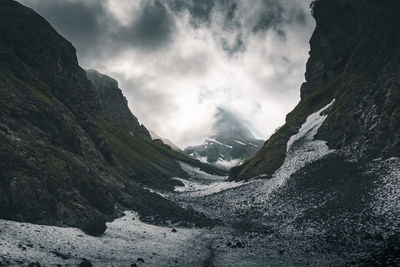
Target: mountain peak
[[114, 104], [228, 126], [230, 144]]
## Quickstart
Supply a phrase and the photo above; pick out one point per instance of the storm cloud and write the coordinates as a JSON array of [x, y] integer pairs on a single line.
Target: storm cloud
[[178, 61]]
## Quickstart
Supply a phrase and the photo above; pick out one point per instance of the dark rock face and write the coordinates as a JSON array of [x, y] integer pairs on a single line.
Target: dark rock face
[[354, 59], [96, 227], [114, 104], [85, 263], [63, 161], [365, 120]]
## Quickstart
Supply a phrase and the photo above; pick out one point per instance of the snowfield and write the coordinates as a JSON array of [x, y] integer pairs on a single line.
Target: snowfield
[[201, 183], [197, 189], [125, 241]]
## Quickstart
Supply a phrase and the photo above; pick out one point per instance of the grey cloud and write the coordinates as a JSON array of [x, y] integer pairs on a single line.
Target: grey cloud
[[200, 11], [163, 59], [152, 29], [89, 26], [229, 126], [152, 103], [237, 46], [79, 22], [270, 15]]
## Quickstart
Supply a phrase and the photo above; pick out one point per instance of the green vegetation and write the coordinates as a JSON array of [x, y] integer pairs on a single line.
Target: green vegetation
[[49, 154], [7, 100], [32, 89], [129, 147], [396, 110], [152, 163], [312, 103]]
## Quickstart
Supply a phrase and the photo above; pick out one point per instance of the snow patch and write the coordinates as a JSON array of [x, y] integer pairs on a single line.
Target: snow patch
[[125, 240], [201, 183], [302, 149], [254, 145], [198, 174], [219, 143], [310, 128], [241, 143], [199, 189]]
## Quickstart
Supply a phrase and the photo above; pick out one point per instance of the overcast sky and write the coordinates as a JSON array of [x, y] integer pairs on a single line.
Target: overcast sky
[[177, 61]]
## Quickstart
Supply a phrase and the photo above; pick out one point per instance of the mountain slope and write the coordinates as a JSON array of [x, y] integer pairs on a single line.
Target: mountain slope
[[231, 142], [62, 160], [114, 104], [353, 58], [166, 141]]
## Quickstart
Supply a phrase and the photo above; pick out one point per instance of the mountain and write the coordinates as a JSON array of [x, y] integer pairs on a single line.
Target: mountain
[[231, 142], [71, 152], [114, 104], [353, 59], [165, 141]]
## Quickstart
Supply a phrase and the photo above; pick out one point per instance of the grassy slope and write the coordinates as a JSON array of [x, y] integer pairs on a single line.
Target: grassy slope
[[154, 164]]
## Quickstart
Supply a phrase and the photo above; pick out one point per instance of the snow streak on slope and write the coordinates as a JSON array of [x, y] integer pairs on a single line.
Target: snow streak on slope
[[310, 128], [125, 240], [241, 143], [197, 174], [217, 142], [302, 149], [201, 183], [198, 189]]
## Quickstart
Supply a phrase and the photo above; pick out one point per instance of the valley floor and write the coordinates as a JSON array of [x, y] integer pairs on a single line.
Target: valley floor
[[318, 209], [246, 239], [127, 241]]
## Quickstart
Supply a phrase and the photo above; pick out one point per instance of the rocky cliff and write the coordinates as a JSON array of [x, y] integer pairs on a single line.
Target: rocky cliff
[[114, 104], [354, 60], [71, 153], [156, 138]]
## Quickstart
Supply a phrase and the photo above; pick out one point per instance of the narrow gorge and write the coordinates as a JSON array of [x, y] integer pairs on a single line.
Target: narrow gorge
[[84, 183]]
